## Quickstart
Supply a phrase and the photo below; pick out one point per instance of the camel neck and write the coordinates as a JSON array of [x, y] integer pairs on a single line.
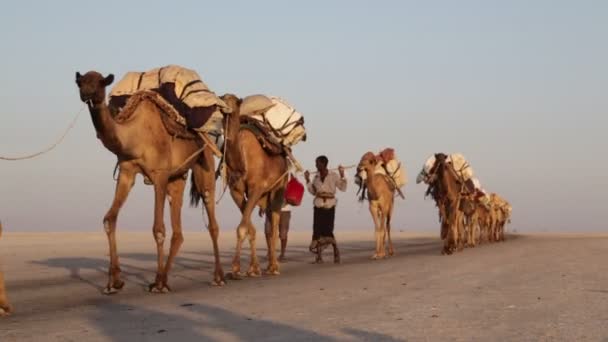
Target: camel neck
[[105, 126], [233, 152], [449, 183]]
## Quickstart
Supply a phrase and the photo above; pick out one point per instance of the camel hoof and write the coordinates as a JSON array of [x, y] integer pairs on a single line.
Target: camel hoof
[[157, 288], [5, 310], [217, 283], [235, 276], [254, 274], [273, 271], [110, 291]]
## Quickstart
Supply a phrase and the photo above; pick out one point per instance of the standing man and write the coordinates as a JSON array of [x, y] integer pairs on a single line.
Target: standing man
[[283, 228], [323, 187], [5, 307]]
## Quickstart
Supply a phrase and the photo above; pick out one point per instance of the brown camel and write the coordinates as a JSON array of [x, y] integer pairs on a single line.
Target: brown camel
[[483, 220], [447, 190], [381, 196], [5, 307], [470, 228], [143, 145], [255, 178]]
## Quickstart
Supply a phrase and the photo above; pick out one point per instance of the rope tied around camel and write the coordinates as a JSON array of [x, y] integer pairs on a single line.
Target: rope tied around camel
[[51, 147]]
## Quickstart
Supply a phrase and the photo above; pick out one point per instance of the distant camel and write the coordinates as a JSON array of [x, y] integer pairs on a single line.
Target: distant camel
[[143, 145], [502, 215], [255, 178], [381, 196]]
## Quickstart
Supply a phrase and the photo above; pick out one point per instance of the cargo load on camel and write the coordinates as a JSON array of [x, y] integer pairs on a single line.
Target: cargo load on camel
[[388, 165], [181, 88], [275, 117], [458, 162]]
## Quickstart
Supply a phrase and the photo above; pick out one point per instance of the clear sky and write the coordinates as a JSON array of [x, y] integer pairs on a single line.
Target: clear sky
[[518, 87]]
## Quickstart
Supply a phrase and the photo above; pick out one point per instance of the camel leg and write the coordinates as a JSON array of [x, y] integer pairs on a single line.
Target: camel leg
[[254, 265], [126, 180], [207, 179], [175, 190], [5, 307], [452, 240], [491, 230], [160, 180], [275, 218], [241, 233], [375, 211], [460, 224], [391, 251], [381, 219]]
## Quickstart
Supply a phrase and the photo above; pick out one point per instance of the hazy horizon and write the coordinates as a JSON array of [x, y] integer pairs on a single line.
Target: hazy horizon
[[518, 87]]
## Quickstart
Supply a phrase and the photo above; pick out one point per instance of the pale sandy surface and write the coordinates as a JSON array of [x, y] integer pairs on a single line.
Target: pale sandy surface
[[531, 288]]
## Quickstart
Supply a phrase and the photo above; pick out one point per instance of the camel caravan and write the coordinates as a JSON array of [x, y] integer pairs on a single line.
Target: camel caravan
[[166, 122], [467, 213]]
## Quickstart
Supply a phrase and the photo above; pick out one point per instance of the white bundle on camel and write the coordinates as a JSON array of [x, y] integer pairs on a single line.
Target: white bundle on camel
[[283, 121], [456, 160], [388, 165], [182, 88]]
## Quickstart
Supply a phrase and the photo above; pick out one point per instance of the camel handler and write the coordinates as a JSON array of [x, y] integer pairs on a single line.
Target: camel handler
[[323, 187], [283, 228], [5, 307]]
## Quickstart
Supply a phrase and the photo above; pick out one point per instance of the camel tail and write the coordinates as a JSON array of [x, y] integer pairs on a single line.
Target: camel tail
[[195, 195]]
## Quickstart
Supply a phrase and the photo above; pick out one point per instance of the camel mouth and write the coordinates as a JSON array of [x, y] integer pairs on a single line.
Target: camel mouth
[[422, 177]]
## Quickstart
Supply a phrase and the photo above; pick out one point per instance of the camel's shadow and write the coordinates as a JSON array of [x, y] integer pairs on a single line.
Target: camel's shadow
[[202, 322], [93, 271]]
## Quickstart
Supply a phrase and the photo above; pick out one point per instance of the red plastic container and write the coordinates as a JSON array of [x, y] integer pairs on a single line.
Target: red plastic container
[[294, 191]]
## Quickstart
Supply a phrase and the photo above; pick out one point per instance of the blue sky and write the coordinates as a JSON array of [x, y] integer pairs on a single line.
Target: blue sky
[[518, 87]]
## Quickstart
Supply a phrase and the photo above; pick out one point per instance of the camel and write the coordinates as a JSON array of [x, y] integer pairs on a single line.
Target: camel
[[5, 307], [381, 196], [446, 187], [483, 220], [255, 178], [501, 215], [143, 145], [471, 230]]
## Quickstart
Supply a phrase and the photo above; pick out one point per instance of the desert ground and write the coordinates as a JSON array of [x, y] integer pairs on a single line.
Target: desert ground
[[542, 287]]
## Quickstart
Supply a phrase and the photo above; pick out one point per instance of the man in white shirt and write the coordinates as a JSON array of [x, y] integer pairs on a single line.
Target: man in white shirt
[[323, 187], [283, 228]]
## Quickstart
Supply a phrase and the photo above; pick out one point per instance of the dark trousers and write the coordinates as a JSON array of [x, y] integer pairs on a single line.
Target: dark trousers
[[323, 222]]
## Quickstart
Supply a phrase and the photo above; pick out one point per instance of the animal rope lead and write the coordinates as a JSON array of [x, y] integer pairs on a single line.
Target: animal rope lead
[[50, 147], [336, 169]]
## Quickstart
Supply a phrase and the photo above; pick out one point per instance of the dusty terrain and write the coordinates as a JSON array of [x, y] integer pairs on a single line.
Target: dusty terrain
[[530, 288]]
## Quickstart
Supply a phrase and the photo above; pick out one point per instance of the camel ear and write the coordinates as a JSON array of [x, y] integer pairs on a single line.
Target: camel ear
[[108, 80], [78, 77]]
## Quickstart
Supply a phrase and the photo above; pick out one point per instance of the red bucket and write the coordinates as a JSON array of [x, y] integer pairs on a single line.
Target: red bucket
[[294, 191]]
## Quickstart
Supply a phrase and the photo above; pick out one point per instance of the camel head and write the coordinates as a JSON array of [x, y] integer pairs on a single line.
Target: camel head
[[366, 166], [92, 86], [233, 102], [430, 167], [367, 162]]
